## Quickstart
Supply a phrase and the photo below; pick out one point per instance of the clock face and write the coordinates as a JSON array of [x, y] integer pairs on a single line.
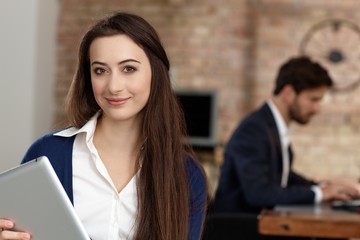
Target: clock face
[[335, 44]]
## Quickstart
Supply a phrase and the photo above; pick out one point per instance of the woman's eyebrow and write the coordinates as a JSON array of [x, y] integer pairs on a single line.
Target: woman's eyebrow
[[129, 60], [99, 63]]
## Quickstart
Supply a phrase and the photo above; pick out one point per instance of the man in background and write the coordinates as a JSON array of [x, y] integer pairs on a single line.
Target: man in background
[[257, 170]]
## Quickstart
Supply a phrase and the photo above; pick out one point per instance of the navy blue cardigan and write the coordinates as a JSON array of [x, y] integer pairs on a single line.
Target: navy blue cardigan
[[59, 151]]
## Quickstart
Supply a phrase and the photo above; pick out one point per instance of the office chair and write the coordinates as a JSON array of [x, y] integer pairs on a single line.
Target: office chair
[[231, 227]]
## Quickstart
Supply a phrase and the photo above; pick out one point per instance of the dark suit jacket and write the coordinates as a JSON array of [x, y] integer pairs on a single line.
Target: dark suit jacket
[[252, 169]]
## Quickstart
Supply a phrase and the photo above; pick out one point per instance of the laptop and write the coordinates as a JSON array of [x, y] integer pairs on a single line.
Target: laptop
[[350, 206], [33, 197]]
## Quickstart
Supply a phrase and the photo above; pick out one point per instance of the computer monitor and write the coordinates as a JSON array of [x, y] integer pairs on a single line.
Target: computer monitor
[[200, 110]]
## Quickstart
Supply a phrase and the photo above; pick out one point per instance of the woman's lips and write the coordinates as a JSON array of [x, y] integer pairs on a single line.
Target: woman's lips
[[116, 101]]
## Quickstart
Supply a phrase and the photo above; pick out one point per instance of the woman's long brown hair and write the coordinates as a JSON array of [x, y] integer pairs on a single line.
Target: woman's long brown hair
[[163, 190]]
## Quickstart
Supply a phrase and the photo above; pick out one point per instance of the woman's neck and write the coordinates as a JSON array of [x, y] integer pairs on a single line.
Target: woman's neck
[[118, 136]]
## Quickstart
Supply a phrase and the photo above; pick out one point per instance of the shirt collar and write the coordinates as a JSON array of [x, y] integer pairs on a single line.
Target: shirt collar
[[88, 128], [280, 122]]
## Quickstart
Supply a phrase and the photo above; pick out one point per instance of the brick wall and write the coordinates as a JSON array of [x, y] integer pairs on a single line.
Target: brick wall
[[236, 46]]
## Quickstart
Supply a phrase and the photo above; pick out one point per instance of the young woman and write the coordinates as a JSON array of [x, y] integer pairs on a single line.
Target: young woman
[[123, 161]]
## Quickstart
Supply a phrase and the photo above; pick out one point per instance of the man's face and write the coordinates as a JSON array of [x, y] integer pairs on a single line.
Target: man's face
[[306, 104]]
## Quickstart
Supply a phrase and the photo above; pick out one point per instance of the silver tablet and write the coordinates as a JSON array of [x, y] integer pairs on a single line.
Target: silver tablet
[[33, 197]]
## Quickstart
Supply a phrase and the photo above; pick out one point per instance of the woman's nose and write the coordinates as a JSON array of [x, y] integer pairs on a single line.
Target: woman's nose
[[116, 83]]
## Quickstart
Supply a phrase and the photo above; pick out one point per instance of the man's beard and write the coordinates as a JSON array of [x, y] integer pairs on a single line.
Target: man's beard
[[295, 114]]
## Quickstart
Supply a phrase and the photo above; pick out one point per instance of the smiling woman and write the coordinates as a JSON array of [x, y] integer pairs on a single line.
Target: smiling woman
[[120, 77], [122, 161]]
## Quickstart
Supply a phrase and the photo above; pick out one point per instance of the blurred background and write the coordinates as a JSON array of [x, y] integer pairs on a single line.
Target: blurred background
[[232, 47], [28, 46]]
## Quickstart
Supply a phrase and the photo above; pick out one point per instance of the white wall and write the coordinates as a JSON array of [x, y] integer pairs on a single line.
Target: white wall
[[27, 74]]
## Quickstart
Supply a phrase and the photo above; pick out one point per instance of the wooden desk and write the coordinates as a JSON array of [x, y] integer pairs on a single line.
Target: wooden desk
[[309, 221]]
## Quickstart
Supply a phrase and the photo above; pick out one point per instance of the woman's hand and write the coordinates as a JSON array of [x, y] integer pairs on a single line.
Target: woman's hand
[[6, 232]]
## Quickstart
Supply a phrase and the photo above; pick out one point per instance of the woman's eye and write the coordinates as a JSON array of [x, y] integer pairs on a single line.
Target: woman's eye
[[99, 71], [129, 69]]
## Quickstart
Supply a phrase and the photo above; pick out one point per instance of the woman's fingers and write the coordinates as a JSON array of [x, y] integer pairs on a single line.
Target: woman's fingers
[[6, 232], [6, 224]]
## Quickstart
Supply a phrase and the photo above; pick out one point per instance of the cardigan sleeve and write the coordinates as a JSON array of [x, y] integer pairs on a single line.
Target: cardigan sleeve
[[198, 199], [59, 152]]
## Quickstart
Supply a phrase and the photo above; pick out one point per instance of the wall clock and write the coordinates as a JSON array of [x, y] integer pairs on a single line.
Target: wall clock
[[335, 43]]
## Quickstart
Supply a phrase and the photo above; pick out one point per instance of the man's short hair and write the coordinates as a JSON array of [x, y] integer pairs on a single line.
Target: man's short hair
[[302, 73]]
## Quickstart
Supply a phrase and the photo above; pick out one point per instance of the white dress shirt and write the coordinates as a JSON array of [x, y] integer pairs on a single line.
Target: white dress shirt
[[105, 213], [284, 140], [285, 143]]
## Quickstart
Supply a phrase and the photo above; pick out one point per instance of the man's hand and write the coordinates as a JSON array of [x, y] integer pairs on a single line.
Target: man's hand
[[336, 189]]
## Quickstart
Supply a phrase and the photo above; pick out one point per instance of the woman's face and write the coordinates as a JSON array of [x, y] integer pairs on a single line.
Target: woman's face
[[120, 76]]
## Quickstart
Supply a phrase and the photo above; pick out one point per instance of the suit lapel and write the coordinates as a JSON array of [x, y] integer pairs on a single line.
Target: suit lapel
[[274, 140]]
